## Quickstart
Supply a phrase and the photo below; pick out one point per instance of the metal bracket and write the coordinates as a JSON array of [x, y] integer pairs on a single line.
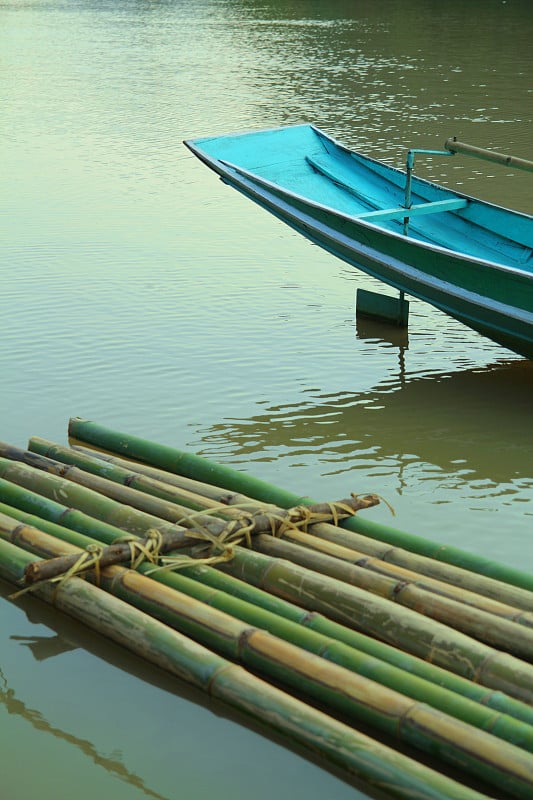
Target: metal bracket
[[409, 166], [393, 310]]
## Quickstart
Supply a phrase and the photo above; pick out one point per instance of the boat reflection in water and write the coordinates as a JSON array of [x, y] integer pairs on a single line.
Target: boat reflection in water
[[473, 422]]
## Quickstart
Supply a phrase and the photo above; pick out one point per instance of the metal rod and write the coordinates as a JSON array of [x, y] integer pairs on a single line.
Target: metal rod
[[453, 146], [409, 166]]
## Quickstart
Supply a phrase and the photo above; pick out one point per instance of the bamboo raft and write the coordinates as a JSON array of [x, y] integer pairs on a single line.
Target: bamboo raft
[[306, 616]]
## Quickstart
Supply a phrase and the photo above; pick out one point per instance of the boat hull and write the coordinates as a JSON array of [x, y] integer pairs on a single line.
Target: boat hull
[[494, 299]]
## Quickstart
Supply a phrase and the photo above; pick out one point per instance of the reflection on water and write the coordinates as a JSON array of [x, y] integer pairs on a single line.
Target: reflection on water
[[473, 415], [43, 647], [15, 706], [394, 75], [139, 726]]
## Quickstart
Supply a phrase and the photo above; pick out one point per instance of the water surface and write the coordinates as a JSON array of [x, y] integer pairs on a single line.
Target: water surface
[[139, 291]]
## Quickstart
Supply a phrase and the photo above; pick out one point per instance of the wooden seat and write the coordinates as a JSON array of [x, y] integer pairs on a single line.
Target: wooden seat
[[422, 208]]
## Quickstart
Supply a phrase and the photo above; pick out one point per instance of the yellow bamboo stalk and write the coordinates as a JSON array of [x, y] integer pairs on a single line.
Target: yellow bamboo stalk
[[380, 617], [408, 576], [198, 492], [356, 754], [359, 698], [154, 484]]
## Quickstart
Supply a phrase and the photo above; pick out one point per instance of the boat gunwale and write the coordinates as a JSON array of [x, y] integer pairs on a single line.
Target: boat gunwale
[[193, 145], [226, 167], [414, 273], [401, 268]]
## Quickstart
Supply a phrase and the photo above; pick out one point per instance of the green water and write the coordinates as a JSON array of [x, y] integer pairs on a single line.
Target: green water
[[139, 291]]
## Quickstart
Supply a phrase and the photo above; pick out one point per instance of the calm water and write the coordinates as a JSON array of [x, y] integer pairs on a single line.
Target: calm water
[[139, 291]]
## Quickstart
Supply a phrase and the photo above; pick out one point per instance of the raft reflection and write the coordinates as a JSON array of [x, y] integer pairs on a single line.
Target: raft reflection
[[17, 707], [459, 421]]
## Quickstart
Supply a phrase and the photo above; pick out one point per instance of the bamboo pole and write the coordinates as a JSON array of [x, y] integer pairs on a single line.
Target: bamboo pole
[[513, 162], [405, 662], [85, 500], [484, 626], [376, 615], [210, 490], [374, 652], [379, 617], [313, 542], [196, 467], [198, 495], [480, 716], [478, 753], [165, 485], [357, 754], [456, 576], [23, 497], [402, 589], [117, 485]]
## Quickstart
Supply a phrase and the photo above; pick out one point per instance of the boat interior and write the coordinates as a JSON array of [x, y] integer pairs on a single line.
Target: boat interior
[[303, 160]]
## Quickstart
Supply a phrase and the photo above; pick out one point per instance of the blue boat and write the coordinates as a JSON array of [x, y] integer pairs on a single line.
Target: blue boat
[[471, 259]]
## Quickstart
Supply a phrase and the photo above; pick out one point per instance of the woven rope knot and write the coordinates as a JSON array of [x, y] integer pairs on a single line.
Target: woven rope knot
[[220, 538], [149, 550], [88, 559]]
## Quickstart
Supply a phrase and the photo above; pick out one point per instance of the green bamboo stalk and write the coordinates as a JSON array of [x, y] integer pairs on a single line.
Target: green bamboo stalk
[[475, 619], [311, 541], [456, 576], [482, 625], [116, 484], [196, 467], [198, 495], [124, 495], [427, 638], [225, 585], [165, 485], [379, 617], [480, 754], [43, 508], [354, 752], [172, 478], [58, 531], [475, 622], [498, 724], [81, 498], [381, 651]]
